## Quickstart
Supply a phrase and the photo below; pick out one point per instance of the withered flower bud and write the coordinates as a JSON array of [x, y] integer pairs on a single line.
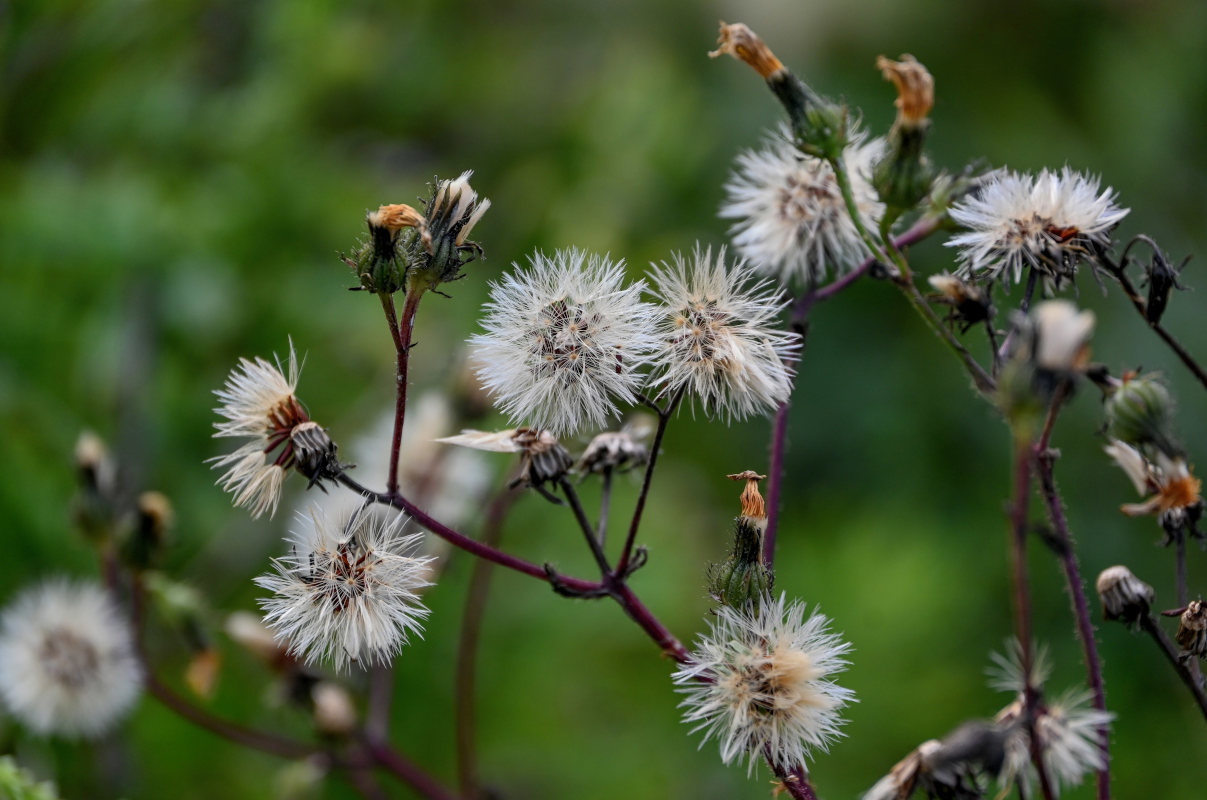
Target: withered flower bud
[[904, 175], [820, 126], [94, 505], [969, 303], [1192, 630], [743, 578], [393, 218], [542, 457], [314, 452], [1162, 279], [452, 212], [614, 451], [915, 88], [201, 674], [381, 262], [744, 44], [1123, 596]]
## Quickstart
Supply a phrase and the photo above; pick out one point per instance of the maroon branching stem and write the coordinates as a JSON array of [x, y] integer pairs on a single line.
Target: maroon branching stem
[[1022, 602], [392, 761], [1118, 272], [1153, 628], [1081, 611], [400, 331], [775, 473], [795, 781], [588, 529], [465, 671], [649, 623], [664, 417]]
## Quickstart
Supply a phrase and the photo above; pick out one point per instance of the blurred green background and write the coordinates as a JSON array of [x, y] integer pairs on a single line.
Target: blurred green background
[[176, 180]]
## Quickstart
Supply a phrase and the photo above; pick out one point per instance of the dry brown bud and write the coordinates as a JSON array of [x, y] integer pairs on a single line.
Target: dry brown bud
[[155, 514], [396, 217], [742, 43], [915, 88], [202, 672], [752, 502], [1192, 629], [1123, 595]]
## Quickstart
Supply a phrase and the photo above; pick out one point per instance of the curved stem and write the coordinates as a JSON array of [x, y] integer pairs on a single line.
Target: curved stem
[[585, 524], [649, 623], [394, 762]]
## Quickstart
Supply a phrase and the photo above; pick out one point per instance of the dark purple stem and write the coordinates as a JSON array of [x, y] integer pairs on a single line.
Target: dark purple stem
[[664, 417], [401, 333], [1153, 628], [393, 761], [775, 473]]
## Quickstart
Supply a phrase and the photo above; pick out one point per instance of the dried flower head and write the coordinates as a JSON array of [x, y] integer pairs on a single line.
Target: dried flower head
[[792, 221], [759, 681], [718, 336], [1192, 630], [1174, 493], [1123, 596], [744, 44], [1047, 222], [969, 303], [452, 212], [259, 405], [542, 457], [67, 661], [615, 451], [564, 339], [946, 769], [346, 593], [915, 88]]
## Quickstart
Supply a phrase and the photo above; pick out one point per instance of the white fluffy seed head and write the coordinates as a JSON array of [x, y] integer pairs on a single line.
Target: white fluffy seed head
[[1047, 222], [1067, 730], [718, 338], [259, 405], [346, 593], [792, 221], [564, 340], [760, 682], [67, 660]]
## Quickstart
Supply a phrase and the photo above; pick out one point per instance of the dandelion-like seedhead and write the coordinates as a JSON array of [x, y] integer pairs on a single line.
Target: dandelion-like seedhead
[[1048, 222], [1067, 730], [563, 341], [717, 336], [346, 593], [259, 404], [67, 660], [792, 221], [759, 681]]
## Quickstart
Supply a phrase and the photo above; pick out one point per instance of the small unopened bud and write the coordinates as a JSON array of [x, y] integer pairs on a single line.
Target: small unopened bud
[[315, 452], [969, 303], [1062, 335], [820, 125], [1139, 412], [381, 262], [334, 711], [201, 674], [903, 176], [1123, 596], [1192, 630], [613, 451], [145, 542], [744, 579], [96, 469]]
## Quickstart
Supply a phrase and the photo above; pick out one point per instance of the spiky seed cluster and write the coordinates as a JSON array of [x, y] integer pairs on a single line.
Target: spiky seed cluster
[[259, 404], [760, 682], [346, 593], [718, 336], [1123, 596], [67, 660], [1048, 222], [563, 341], [792, 222]]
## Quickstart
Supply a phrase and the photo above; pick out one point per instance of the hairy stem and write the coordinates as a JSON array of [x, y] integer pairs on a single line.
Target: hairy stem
[[795, 782], [1022, 601]]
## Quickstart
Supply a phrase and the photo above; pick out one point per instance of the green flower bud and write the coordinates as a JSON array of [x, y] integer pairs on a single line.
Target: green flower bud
[[743, 579], [1140, 412]]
